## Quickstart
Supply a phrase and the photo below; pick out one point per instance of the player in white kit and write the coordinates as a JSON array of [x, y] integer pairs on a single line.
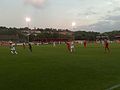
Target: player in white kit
[[13, 49], [72, 47]]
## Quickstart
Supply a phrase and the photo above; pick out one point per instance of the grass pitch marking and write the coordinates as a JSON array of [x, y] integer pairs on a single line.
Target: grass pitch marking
[[113, 87]]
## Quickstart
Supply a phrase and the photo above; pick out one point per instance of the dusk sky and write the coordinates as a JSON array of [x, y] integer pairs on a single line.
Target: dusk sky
[[94, 15]]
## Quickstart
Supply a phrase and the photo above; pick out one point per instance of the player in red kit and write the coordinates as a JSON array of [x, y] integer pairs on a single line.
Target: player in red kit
[[68, 45], [85, 43], [106, 45]]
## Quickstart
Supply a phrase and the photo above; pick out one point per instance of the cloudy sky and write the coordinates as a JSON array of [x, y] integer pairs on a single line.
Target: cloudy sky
[[92, 15]]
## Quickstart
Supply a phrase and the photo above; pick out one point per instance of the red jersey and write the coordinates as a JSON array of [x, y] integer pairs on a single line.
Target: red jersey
[[68, 44], [106, 44], [85, 43]]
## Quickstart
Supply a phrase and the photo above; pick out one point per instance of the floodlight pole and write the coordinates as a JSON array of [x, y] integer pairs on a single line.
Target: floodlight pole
[[28, 34], [28, 25], [73, 26], [73, 34]]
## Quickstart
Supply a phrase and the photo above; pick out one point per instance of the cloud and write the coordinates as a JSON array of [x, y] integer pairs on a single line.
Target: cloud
[[110, 23], [115, 10], [88, 13], [101, 26], [113, 18], [35, 3]]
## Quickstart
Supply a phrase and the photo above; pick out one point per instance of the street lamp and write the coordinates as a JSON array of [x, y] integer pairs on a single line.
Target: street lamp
[[28, 20]]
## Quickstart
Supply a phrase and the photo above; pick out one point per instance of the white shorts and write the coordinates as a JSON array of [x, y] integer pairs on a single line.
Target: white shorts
[[72, 46]]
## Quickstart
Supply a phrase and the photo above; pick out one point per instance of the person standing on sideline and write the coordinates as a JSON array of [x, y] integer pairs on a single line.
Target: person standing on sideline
[[24, 46], [54, 44], [85, 43], [30, 47]]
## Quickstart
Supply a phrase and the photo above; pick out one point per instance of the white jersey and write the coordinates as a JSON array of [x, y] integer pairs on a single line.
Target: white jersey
[[72, 45]]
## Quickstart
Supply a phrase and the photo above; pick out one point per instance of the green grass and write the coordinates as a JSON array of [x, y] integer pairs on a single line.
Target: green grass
[[54, 68]]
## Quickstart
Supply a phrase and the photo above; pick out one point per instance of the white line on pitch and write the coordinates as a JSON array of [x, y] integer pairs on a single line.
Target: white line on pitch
[[113, 87]]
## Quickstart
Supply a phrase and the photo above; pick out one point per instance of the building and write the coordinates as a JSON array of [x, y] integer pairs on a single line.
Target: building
[[9, 37]]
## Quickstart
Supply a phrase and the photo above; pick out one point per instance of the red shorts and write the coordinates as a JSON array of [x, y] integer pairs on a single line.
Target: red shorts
[[106, 45]]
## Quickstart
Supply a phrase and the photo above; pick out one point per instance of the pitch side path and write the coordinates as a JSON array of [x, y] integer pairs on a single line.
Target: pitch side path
[[54, 68]]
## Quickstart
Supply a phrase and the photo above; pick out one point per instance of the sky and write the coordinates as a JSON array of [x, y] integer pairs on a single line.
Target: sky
[[89, 15]]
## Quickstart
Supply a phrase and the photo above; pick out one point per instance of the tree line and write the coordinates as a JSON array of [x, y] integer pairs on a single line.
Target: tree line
[[23, 33]]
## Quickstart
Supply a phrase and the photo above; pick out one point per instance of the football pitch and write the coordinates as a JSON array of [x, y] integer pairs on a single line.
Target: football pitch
[[54, 68]]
